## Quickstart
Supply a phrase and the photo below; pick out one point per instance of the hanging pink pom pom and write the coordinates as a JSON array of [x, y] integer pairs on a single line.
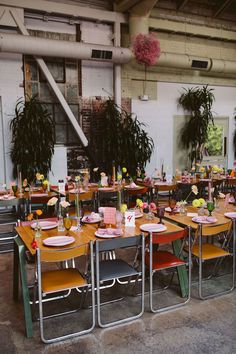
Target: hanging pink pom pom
[[146, 49]]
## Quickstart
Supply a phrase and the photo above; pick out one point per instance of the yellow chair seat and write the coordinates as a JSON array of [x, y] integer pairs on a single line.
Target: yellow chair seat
[[209, 251], [61, 279]]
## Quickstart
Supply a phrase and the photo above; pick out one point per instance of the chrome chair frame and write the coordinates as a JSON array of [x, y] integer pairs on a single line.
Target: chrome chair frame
[[153, 271], [101, 246], [200, 271], [41, 317]]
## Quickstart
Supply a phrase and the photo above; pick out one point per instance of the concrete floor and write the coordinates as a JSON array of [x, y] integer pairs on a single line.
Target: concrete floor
[[199, 327]]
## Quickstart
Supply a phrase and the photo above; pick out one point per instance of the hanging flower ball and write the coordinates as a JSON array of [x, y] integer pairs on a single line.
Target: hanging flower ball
[[146, 49]]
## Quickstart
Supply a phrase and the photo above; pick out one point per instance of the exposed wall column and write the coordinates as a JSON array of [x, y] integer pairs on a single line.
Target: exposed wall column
[[117, 67]]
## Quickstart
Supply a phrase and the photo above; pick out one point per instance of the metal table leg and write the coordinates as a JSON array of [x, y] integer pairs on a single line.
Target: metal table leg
[[19, 265]]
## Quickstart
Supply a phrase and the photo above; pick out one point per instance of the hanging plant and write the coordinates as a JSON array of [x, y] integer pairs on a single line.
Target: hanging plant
[[197, 102], [32, 138], [146, 49]]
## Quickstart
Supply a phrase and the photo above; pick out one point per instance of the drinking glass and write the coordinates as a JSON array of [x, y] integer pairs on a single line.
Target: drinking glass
[[119, 218], [160, 214], [172, 204], [67, 223], [210, 207]]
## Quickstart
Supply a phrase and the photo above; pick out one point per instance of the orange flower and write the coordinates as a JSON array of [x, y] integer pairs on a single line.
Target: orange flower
[[38, 212], [30, 217]]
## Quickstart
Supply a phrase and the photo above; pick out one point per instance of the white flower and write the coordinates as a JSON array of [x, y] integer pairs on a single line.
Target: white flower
[[195, 189], [64, 204], [95, 169], [221, 195], [52, 201], [77, 178]]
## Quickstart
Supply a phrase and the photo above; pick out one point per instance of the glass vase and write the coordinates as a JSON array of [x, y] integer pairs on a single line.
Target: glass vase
[[182, 209], [37, 230]]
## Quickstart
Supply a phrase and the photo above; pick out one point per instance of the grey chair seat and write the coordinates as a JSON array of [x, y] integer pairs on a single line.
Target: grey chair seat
[[111, 269]]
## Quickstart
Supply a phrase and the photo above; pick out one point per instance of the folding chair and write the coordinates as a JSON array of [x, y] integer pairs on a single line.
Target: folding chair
[[160, 260], [116, 269], [10, 212], [207, 251], [132, 194], [54, 281]]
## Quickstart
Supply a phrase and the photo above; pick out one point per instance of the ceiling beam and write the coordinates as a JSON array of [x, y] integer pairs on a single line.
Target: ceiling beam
[[124, 5], [181, 4], [52, 7], [223, 7], [144, 7]]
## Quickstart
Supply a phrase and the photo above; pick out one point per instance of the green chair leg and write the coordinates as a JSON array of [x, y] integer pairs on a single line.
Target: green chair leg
[[182, 271], [20, 252]]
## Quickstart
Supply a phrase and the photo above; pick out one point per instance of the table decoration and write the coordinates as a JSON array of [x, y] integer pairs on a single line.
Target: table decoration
[[37, 227], [182, 203]]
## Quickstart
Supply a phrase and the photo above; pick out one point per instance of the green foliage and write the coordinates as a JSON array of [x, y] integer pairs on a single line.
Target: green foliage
[[32, 138], [214, 142], [123, 140], [197, 102]]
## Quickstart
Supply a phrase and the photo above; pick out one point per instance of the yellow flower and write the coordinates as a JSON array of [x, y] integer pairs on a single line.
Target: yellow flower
[[195, 189], [139, 203], [45, 182], [124, 169], [202, 201], [38, 176], [196, 203], [30, 217], [123, 208], [215, 168], [42, 177], [77, 178], [202, 169], [119, 177]]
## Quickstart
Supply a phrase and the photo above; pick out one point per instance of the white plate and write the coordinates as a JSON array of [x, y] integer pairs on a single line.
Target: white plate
[[45, 225], [56, 241], [204, 219], [39, 195], [176, 210], [153, 227], [231, 215], [7, 197], [136, 187], [106, 235], [73, 191], [137, 216], [106, 189], [92, 219]]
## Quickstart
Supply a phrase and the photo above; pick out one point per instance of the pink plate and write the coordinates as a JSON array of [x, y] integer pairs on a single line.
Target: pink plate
[[7, 197], [108, 233], [56, 241], [45, 225], [39, 195], [204, 219], [231, 215], [153, 227], [176, 209], [106, 189]]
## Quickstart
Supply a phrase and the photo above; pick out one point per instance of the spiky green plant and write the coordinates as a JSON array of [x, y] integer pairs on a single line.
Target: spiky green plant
[[197, 102], [122, 140], [32, 138]]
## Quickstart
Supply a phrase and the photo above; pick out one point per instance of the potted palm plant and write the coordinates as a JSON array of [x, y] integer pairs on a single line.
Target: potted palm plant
[[32, 138], [122, 140], [197, 102]]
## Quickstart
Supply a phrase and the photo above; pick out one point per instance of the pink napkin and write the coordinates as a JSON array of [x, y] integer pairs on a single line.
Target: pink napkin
[[109, 215], [109, 231]]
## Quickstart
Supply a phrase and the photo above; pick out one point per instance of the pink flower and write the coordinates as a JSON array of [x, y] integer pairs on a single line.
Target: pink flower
[[234, 163], [146, 49], [152, 206], [145, 205]]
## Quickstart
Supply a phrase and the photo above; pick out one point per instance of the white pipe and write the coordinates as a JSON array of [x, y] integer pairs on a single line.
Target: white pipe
[[15, 43]]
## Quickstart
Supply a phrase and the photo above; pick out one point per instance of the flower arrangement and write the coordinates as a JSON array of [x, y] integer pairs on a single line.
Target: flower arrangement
[[199, 202], [30, 217], [123, 208], [194, 190], [146, 49]]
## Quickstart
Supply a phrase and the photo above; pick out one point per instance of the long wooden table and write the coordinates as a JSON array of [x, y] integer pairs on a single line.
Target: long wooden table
[[87, 233]]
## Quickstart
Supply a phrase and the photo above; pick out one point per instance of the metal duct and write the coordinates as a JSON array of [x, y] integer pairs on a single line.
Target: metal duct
[[14, 43]]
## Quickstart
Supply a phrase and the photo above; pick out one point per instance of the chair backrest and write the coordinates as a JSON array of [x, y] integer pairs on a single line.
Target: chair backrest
[[138, 191], [120, 242], [207, 230], [5, 203], [166, 187], [168, 237], [63, 254]]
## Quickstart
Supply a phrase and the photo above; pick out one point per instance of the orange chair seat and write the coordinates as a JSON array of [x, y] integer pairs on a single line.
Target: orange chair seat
[[209, 251], [61, 279], [163, 259]]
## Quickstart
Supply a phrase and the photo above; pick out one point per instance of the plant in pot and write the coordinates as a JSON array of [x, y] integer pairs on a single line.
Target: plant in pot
[[122, 140], [197, 102], [33, 138]]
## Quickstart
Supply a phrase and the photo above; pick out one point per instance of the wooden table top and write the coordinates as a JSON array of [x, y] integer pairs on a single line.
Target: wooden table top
[[86, 234], [186, 220]]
